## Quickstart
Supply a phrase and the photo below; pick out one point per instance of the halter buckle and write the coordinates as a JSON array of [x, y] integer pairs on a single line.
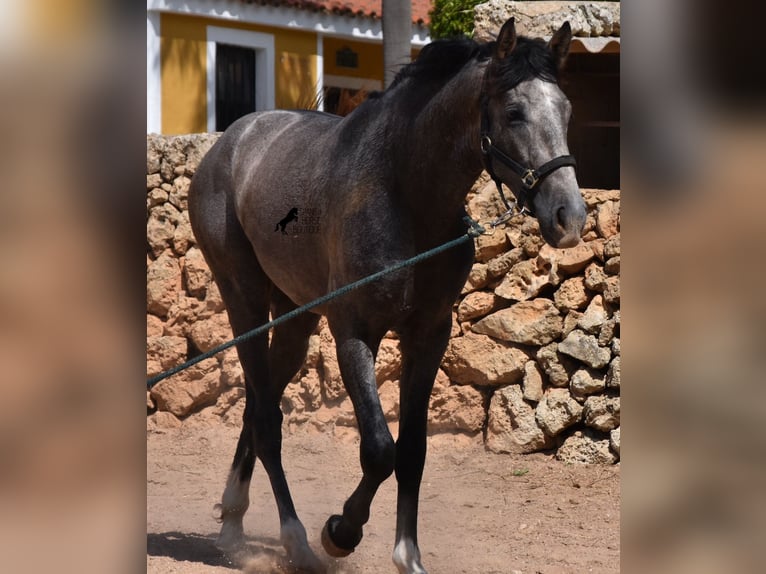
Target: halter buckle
[[530, 178], [486, 144]]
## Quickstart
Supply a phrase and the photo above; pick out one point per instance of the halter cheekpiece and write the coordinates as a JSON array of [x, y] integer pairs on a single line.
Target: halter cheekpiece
[[530, 177]]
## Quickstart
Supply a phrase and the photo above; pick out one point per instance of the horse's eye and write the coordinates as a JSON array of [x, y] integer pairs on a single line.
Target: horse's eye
[[515, 115]]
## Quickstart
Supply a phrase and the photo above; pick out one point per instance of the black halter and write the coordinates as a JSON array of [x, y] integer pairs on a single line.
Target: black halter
[[530, 177]]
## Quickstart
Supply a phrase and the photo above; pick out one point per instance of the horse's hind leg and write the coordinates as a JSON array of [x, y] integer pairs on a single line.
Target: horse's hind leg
[[287, 353], [246, 299]]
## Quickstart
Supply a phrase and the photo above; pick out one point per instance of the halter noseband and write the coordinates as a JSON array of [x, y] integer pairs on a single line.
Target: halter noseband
[[530, 177]]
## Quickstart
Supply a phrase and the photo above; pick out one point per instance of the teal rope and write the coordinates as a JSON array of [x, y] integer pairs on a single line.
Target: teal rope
[[474, 231]]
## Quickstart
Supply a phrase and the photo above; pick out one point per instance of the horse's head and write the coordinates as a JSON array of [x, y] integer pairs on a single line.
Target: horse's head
[[524, 131]]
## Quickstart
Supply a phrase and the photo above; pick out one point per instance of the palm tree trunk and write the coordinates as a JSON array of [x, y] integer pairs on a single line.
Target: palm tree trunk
[[397, 35]]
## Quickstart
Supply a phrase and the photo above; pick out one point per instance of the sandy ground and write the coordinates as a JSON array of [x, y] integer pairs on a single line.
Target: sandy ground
[[480, 512]]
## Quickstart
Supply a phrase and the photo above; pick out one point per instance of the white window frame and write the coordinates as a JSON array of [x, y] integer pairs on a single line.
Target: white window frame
[[263, 44]]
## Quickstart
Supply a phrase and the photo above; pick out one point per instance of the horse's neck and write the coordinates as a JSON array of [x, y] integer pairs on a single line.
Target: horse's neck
[[444, 144]]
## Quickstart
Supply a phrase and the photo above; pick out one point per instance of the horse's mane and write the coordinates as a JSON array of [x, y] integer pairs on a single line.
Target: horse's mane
[[440, 60]]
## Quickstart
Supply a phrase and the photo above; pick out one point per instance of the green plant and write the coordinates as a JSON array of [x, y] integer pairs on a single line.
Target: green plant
[[452, 18], [520, 472]]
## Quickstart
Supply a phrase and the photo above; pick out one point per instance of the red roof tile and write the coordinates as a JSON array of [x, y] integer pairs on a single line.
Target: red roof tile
[[368, 8]]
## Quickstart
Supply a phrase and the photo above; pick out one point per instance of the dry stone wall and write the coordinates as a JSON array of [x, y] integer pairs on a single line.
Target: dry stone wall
[[533, 363]]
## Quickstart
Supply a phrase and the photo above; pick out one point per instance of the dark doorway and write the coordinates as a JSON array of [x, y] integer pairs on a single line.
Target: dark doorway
[[234, 84], [592, 83]]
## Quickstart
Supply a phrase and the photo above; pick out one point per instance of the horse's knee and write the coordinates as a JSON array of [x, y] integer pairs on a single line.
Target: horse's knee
[[378, 456]]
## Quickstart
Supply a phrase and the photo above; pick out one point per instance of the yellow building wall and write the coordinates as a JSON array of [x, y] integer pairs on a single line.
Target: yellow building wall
[[370, 59], [183, 68], [183, 60]]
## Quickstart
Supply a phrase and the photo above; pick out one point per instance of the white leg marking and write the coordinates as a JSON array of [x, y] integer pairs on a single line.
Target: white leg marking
[[234, 504], [407, 558]]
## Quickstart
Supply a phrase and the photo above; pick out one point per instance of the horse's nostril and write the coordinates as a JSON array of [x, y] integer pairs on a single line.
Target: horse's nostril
[[561, 219]]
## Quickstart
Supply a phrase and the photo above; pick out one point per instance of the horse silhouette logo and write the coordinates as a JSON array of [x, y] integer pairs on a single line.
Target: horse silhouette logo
[[291, 216]]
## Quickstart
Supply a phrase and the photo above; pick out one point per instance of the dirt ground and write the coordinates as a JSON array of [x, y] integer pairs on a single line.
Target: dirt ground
[[480, 513]]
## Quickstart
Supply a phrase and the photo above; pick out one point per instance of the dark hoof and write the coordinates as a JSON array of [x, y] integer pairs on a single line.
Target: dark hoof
[[329, 544]]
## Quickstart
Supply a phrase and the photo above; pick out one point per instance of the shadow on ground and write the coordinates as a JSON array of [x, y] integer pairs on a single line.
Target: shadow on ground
[[201, 549]]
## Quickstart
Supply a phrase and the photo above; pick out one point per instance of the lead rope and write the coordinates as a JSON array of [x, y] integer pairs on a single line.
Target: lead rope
[[474, 230]]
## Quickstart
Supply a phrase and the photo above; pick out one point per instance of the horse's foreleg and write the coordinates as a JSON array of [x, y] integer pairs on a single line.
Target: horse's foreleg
[[342, 534], [422, 352]]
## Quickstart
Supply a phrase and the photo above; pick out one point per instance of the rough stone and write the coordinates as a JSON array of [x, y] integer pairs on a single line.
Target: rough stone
[[613, 374], [594, 317], [479, 360], [231, 369], [489, 246], [557, 367], [180, 194], [612, 290], [154, 326], [164, 352], [183, 237], [155, 195], [501, 264], [608, 219], [159, 232], [585, 348], [612, 265], [542, 19], [595, 278], [612, 247], [532, 383], [571, 294], [163, 282], [477, 278], [200, 386], [388, 363], [183, 314], [455, 407], [557, 411], [389, 400], [586, 447], [477, 304], [570, 322], [535, 322], [332, 383], [614, 440], [525, 280], [511, 426], [567, 261], [615, 344], [196, 273], [208, 333], [602, 412], [161, 421], [584, 383], [597, 246], [607, 331]]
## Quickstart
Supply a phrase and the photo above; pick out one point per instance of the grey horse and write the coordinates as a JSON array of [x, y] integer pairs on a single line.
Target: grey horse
[[384, 183]]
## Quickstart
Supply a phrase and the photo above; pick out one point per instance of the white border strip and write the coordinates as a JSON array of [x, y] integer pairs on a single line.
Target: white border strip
[[153, 74], [353, 27], [264, 66]]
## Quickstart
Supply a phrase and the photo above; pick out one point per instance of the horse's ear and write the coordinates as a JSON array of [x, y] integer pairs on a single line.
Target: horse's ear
[[506, 39], [559, 44]]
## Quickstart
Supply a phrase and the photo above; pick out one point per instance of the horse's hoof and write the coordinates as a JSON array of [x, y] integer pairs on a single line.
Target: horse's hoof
[[329, 544]]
